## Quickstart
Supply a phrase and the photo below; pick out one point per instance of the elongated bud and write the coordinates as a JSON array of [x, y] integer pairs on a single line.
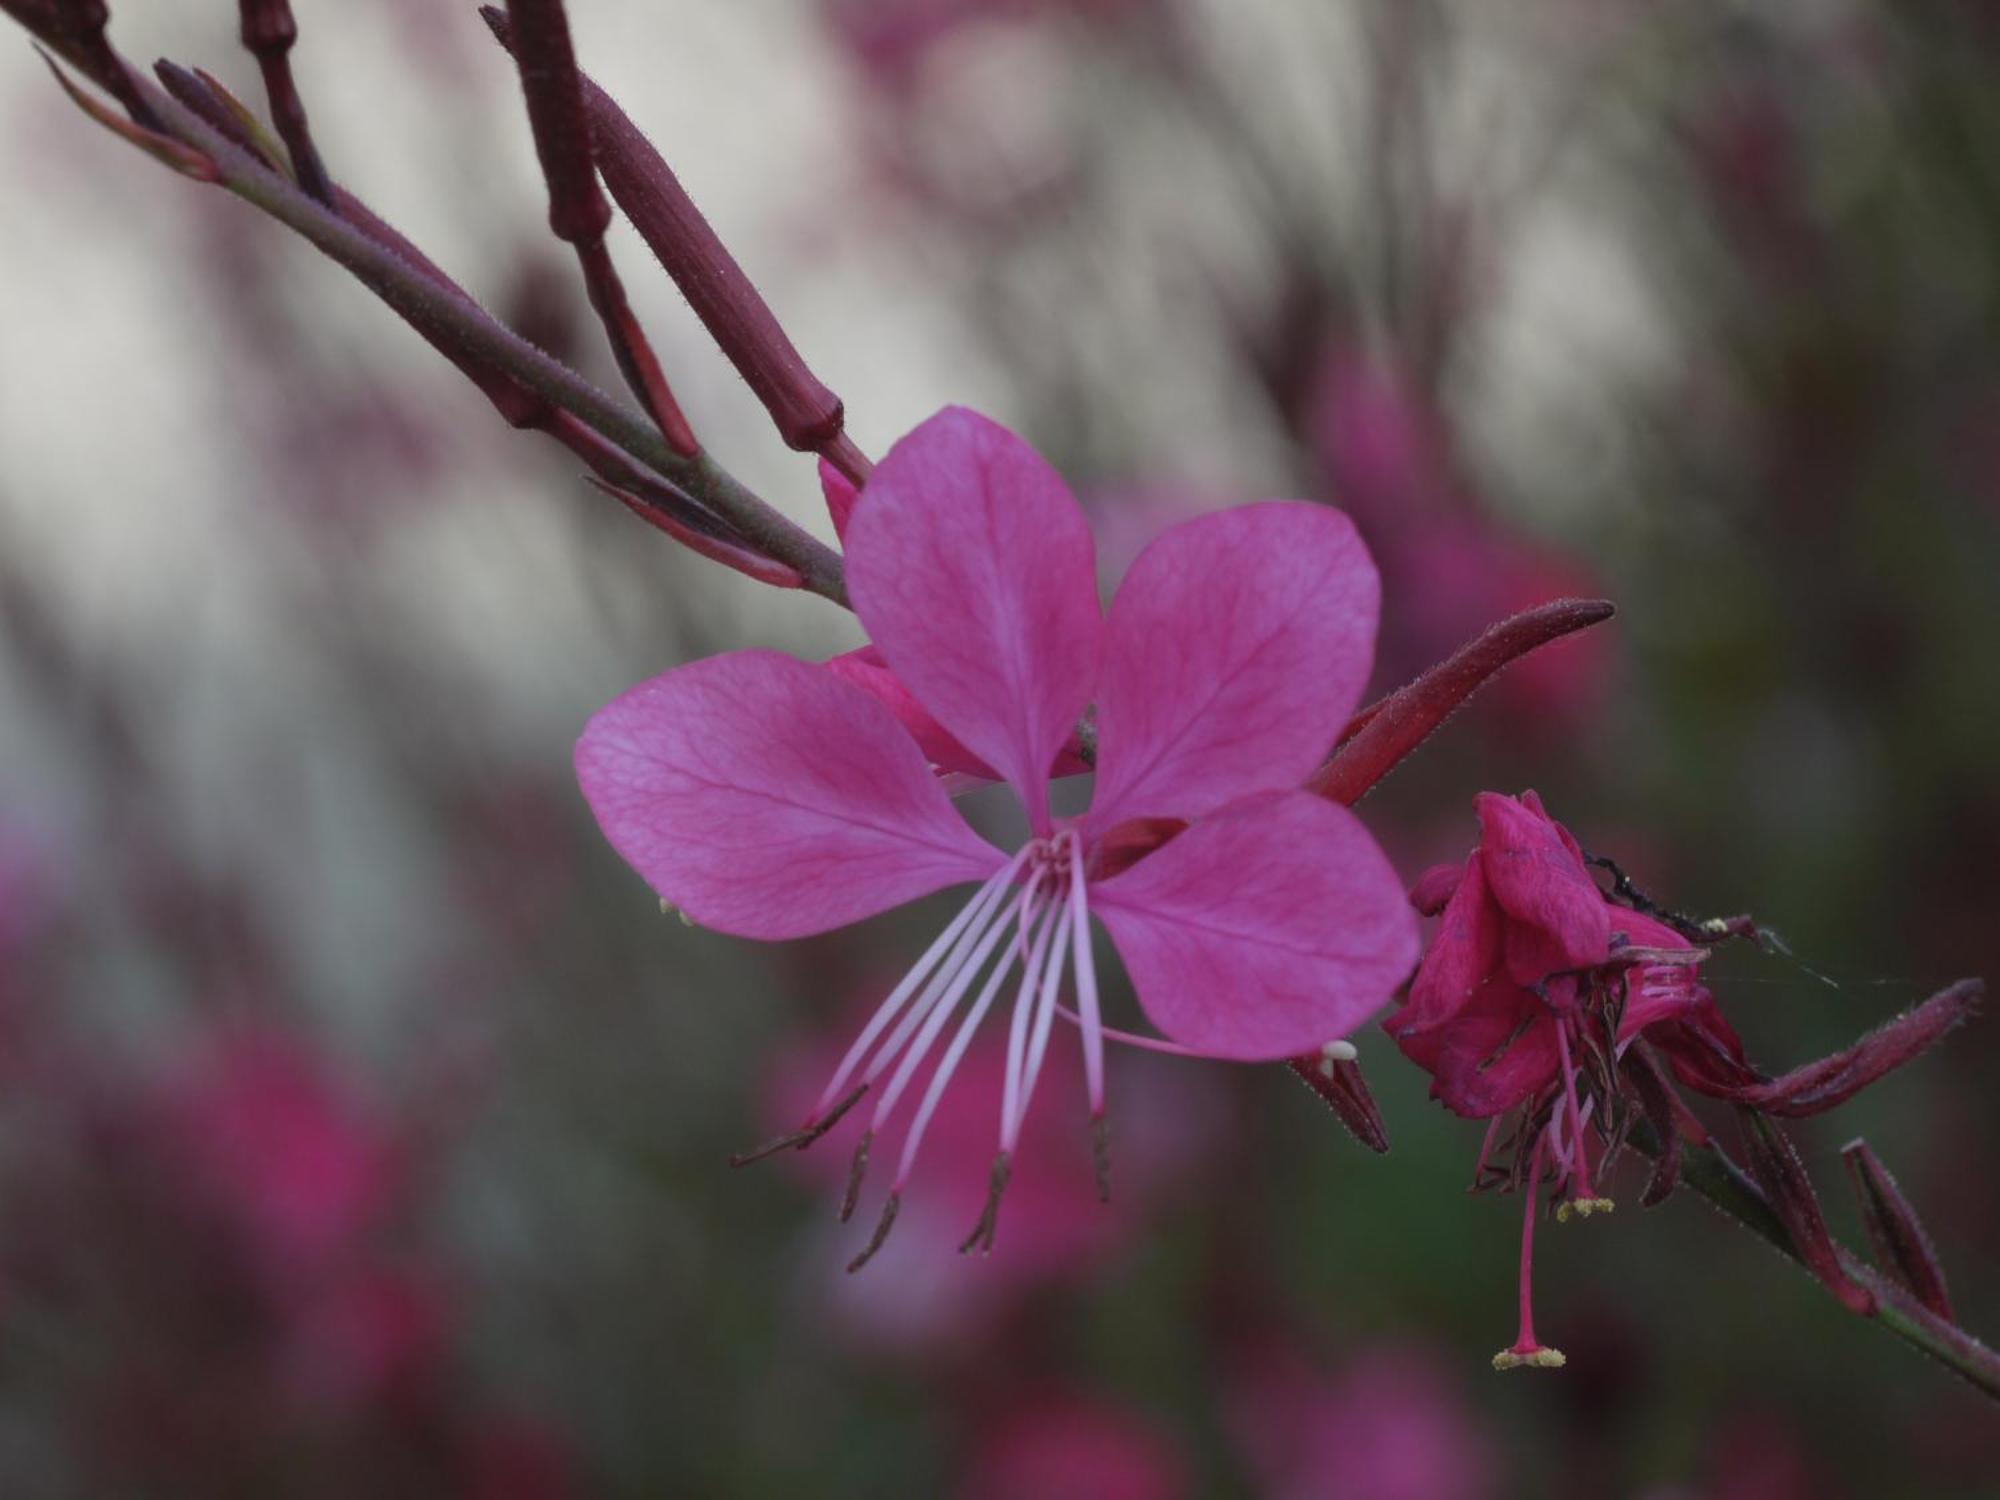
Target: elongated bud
[[218, 108], [1378, 737], [268, 32], [1775, 1164], [84, 23], [183, 158], [808, 416], [1895, 1233], [1335, 1076], [1834, 1080], [578, 212]]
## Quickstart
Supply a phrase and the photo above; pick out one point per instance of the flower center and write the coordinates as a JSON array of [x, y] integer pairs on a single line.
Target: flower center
[[1031, 918]]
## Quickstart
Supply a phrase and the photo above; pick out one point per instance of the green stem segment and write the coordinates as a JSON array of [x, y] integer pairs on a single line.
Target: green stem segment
[[1707, 1171]]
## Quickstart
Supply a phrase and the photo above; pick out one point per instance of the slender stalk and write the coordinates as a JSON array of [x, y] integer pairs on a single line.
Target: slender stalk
[[439, 311], [578, 214], [1707, 1171]]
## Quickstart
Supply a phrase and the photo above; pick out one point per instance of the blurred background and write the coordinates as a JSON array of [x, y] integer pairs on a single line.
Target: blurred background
[[363, 1123]]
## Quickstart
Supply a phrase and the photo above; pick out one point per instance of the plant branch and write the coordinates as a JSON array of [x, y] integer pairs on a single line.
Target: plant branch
[[1706, 1171]]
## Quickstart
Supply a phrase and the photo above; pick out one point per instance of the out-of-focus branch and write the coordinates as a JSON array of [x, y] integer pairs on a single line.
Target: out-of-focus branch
[[578, 214], [453, 322], [808, 416], [268, 33]]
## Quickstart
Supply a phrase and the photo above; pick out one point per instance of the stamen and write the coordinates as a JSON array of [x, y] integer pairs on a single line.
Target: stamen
[[1086, 980], [1100, 1156], [975, 914], [856, 1170], [1525, 1350], [1579, 1163], [940, 1012], [805, 1135], [1032, 911], [1038, 1040], [875, 1241], [1017, 1027], [989, 1217]]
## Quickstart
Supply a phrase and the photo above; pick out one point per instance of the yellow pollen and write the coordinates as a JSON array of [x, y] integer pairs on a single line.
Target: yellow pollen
[[1582, 1208], [1540, 1359]]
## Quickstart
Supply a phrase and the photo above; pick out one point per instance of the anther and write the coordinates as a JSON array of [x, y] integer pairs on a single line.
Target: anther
[[882, 1228], [1582, 1208], [805, 1135], [1536, 1358], [981, 1237], [1100, 1155], [856, 1170]]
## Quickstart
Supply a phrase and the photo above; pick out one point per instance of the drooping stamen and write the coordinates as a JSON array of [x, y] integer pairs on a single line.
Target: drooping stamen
[[804, 1136], [875, 1241], [933, 1023], [1038, 1039], [856, 1170], [989, 1217], [1041, 954], [1030, 913], [1582, 1199], [1086, 980], [1525, 1350], [974, 914]]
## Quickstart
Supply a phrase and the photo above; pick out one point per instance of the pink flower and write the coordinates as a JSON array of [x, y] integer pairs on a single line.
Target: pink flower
[[767, 798], [1390, 1425], [1059, 1447], [1541, 994]]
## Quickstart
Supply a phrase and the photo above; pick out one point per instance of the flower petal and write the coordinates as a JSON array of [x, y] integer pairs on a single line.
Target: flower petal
[[765, 798], [972, 569], [1496, 1051], [1233, 653], [866, 670], [1463, 952], [1560, 917], [1264, 931]]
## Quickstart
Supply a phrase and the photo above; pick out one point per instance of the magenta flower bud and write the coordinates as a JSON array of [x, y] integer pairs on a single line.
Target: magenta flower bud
[[1335, 1075], [1895, 1233], [268, 32], [1833, 1080], [1384, 733], [808, 416]]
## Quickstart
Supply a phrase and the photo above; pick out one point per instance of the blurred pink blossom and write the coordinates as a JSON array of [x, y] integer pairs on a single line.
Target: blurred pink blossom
[[1072, 1447], [1389, 1424]]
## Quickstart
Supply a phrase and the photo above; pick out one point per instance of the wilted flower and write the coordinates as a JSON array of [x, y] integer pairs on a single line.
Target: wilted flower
[[765, 797], [1546, 999]]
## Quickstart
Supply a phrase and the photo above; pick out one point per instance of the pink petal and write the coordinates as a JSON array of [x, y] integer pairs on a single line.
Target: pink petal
[[765, 798], [841, 496], [1560, 917], [1499, 1049], [1233, 654], [866, 670], [1464, 952], [972, 569], [1266, 930], [1435, 886]]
